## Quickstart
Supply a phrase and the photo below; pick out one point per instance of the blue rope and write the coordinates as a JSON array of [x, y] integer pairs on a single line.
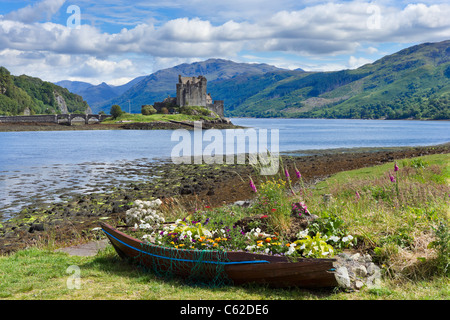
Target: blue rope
[[185, 260]]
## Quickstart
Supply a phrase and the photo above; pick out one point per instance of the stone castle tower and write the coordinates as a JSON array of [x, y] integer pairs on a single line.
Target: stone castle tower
[[191, 91]]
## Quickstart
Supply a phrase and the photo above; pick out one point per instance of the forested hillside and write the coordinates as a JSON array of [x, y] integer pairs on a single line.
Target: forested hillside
[[21, 93], [413, 83]]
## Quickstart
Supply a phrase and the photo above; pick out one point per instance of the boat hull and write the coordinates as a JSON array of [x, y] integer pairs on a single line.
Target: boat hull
[[233, 267]]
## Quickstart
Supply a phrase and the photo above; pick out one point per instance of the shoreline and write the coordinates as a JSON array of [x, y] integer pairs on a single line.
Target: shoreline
[[155, 125], [191, 185]]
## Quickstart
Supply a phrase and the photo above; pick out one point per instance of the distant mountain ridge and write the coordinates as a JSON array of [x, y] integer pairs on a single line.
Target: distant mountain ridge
[[97, 94], [159, 85], [413, 83]]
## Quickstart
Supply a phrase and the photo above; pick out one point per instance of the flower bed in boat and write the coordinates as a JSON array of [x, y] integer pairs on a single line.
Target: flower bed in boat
[[276, 223]]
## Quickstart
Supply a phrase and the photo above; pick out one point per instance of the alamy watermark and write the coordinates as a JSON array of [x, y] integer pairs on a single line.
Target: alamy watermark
[[232, 146], [74, 281], [374, 21], [74, 21]]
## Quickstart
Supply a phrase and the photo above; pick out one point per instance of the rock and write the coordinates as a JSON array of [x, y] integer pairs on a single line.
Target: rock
[[36, 227], [242, 203], [360, 271], [356, 271], [372, 269], [355, 257], [359, 284], [374, 280], [343, 278]]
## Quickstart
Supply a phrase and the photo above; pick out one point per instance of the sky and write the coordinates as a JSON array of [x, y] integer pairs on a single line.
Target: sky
[[116, 41]]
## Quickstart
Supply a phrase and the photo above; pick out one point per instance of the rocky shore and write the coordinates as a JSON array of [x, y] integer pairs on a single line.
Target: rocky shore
[[193, 185], [155, 125]]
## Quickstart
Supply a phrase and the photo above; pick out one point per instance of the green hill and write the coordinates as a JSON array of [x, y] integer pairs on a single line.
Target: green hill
[[21, 93], [412, 83]]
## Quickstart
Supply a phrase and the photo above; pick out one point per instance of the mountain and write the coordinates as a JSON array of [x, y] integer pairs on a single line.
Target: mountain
[[159, 85], [97, 94], [20, 94], [412, 83]]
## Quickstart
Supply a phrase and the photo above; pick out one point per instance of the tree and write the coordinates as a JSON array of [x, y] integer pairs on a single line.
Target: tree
[[147, 110], [116, 111]]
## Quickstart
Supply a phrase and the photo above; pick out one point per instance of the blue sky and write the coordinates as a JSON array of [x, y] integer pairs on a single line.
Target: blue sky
[[119, 40]]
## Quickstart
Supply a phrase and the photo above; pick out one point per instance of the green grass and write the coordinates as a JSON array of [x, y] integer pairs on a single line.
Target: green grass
[[156, 117], [41, 274], [396, 229], [396, 226]]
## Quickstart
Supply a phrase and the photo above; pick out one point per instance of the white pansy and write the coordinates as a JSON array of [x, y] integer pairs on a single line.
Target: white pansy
[[347, 238], [334, 238], [302, 234]]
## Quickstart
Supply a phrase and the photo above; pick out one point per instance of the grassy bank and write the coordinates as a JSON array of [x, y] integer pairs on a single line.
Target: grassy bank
[[394, 215], [127, 117]]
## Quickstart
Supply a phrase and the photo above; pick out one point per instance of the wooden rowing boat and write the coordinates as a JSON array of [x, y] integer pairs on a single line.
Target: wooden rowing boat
[[237, 267]]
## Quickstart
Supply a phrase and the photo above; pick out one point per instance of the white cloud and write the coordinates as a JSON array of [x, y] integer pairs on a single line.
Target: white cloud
[[322, 29], [36, 12], [354, 63], [317, 30], [55, 67]]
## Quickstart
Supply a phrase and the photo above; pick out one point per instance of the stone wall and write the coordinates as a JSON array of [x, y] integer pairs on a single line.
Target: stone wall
[[191, 91], [53, 118], [217, 107], [37, 118]]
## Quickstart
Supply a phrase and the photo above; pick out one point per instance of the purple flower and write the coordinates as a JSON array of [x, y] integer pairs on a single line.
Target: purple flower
[[252, 185], [299, 175], [286, 173], [391, 177], [357, 195], [396, 167]]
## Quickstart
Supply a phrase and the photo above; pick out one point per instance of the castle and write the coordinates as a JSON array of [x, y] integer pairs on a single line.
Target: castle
[[191, 91]]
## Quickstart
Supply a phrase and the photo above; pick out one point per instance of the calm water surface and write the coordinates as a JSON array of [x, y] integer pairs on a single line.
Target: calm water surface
[[49, 165]]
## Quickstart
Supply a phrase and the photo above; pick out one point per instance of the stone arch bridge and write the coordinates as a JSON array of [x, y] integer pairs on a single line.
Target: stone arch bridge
[[70, 118]]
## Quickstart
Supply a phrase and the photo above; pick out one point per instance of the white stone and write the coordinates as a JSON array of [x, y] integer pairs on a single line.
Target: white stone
[[342, 277], [355, 257], [359, 284], [360, 271]]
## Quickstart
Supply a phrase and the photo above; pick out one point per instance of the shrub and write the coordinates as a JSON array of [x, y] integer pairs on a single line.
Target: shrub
[[116, 111], [148, 110]]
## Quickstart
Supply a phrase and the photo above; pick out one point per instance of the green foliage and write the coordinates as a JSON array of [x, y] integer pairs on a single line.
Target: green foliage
[[333, 229], [273, 203], [410, 84], [194, 110], [442, 246], [148, 110], [116, 111], [19, 93], [314, 247], [401, 238], [418, 163]]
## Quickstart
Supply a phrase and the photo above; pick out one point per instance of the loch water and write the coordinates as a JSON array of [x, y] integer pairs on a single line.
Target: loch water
[[48, 166]]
